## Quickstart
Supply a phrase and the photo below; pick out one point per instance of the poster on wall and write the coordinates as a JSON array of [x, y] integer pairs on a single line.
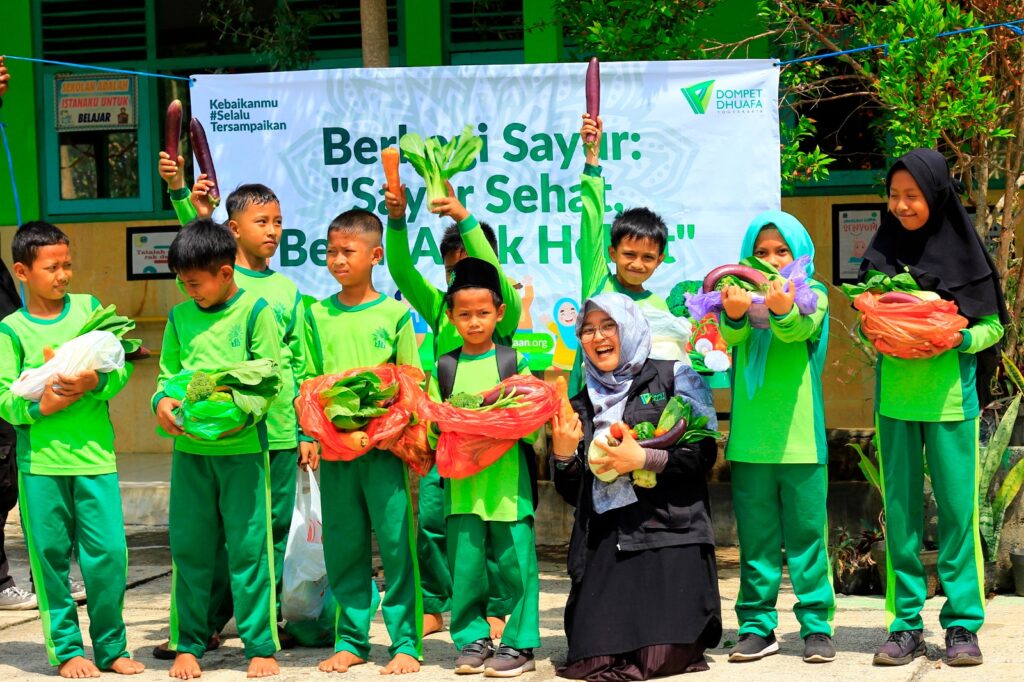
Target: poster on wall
[[95, 102], [853, 226], [146, 251], [696, 142]]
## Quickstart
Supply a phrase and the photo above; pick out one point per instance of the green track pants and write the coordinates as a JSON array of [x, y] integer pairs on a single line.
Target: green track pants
[[951, 449], [62, 514], [513, 546], [219, 500], [780, 505], [371, 491]]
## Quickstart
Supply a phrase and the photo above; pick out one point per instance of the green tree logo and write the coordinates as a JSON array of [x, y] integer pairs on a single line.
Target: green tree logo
[[698, 96], [381, 337]]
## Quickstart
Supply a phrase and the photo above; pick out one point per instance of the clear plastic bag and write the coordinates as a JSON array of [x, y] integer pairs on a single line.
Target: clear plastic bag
[[669, 335], [916, 330], [96, 350], [305, 574], [472, 440]]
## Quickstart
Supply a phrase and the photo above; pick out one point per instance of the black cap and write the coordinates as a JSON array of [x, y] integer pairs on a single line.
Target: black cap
[[474, 273]]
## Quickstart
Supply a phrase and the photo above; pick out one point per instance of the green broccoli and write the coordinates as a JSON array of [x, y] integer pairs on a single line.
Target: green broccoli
[[200, 387], [677, 297], [467, 401]]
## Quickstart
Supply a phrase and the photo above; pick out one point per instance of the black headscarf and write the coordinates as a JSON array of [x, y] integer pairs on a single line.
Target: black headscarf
[[946, 255]]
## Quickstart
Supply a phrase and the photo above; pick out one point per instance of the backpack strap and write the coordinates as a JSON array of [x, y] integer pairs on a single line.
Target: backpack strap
[[447, 365], [508, 361]]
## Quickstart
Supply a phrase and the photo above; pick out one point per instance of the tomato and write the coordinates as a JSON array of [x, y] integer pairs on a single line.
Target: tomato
[[616, 431]]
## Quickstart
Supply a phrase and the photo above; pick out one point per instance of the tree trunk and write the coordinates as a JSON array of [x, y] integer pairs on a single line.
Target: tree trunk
[[373, 20]]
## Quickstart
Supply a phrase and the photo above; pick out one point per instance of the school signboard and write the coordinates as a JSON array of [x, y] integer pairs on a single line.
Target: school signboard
[[697, 142]]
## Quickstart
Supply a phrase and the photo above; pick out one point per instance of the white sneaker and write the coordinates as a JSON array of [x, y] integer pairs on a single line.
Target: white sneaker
[[16, 599]]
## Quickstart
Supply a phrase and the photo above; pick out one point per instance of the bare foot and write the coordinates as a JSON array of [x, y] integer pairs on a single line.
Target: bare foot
[[432, 622], [78, 668], [497, 624], [185, 667], [400, 665], [126, 666], [340, 662], [263, 666]]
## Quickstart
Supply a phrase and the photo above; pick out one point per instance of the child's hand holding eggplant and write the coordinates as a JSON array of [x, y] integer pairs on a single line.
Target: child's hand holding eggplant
[[593, 130], [779, 300], [623, 458], [200, 197], [172, 170], [735, 302], [566, 433]]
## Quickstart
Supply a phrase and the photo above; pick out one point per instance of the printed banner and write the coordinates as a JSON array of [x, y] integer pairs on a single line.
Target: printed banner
[[94, 102], [853, 226], [697, 142]]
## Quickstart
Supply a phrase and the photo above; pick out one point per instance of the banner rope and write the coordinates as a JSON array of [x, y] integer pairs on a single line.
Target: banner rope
[[1012, 25], [107, 69]]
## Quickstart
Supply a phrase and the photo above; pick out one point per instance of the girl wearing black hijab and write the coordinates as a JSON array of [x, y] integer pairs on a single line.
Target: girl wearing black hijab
[[929, 408]]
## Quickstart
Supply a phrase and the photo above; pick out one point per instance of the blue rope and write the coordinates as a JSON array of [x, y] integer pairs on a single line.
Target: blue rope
[[14, 191], [1012, 25], [102, 68]]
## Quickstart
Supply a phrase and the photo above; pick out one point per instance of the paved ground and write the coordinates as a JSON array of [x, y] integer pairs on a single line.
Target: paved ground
[[859, 623]]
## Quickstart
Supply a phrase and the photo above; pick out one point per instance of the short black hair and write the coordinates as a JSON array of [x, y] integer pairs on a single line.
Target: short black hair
[[33, 236], [245, 196], [451, 240], [358, 220], [203, 244], [449, 296], [642, 224]]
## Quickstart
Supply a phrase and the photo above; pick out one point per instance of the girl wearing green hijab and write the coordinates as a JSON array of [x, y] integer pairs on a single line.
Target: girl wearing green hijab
[[776, 448]]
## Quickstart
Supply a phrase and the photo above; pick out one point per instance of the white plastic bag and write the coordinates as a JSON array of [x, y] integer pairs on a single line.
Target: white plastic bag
[[669, 335], [305, 576], [97, 350]]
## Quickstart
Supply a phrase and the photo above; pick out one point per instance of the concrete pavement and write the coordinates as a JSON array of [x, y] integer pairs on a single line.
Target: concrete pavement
[[859, 629]]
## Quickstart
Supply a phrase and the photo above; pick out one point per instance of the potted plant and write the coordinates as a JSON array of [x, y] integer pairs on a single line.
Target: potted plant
[[853, 566]]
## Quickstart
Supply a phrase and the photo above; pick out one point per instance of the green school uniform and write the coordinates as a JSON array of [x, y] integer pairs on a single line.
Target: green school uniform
[[778, 454], [371, 491], [220, 490], [928, 410], [492, 510], [69, 493], [428, 301]]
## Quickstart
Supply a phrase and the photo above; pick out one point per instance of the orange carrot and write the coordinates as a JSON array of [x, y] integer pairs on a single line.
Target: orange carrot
[[389, 159], [357, 441], [562, 388]]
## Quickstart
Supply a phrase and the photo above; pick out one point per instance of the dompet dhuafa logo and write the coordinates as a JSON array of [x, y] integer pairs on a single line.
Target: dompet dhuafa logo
[[745, 100]]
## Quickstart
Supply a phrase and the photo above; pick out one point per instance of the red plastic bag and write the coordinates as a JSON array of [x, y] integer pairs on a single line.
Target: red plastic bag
[[401, 421], [916, 330], [472, 440]]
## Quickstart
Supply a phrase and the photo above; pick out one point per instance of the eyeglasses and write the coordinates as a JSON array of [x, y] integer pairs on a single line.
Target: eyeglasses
[[609, 330]]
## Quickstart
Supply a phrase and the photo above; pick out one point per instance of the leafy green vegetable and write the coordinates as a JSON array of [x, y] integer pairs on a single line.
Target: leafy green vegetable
[[644, 430], [107, 320], [468, 401], [253, 384], [353, 401], [437, 163], [880, 283], [677, 297], [696, 426]]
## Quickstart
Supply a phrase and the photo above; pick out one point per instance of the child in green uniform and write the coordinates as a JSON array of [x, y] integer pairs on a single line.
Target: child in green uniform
[[360, 327], [494, 507], [928, 408], [638, 241], [70, 498], [777, 451], [220, 490], [466, 237]]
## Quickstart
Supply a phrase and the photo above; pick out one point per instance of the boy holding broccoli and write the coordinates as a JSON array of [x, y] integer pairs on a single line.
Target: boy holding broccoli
[[69, 492], [465, 237], [216, 485], [491, 511], [361, 327]]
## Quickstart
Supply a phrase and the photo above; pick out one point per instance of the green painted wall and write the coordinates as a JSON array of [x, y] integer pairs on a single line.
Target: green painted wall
[[19, 115], [542, 40], [423, 33]]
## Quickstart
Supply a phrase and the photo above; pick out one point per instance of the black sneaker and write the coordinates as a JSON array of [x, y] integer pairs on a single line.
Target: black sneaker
[[473, 656], [902, 647], [509, 662], [753, 647], [818, 648], [962, 647]]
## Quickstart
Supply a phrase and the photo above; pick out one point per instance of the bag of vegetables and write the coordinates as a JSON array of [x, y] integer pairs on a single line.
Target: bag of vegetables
[[353, 412], [676, 425], [901, 320], [476, 429], [216, 404], [753, 275]]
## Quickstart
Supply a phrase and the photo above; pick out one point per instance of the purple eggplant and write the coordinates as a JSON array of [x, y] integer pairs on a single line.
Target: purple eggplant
[[172, 129], [593, 92], [201, 148]]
